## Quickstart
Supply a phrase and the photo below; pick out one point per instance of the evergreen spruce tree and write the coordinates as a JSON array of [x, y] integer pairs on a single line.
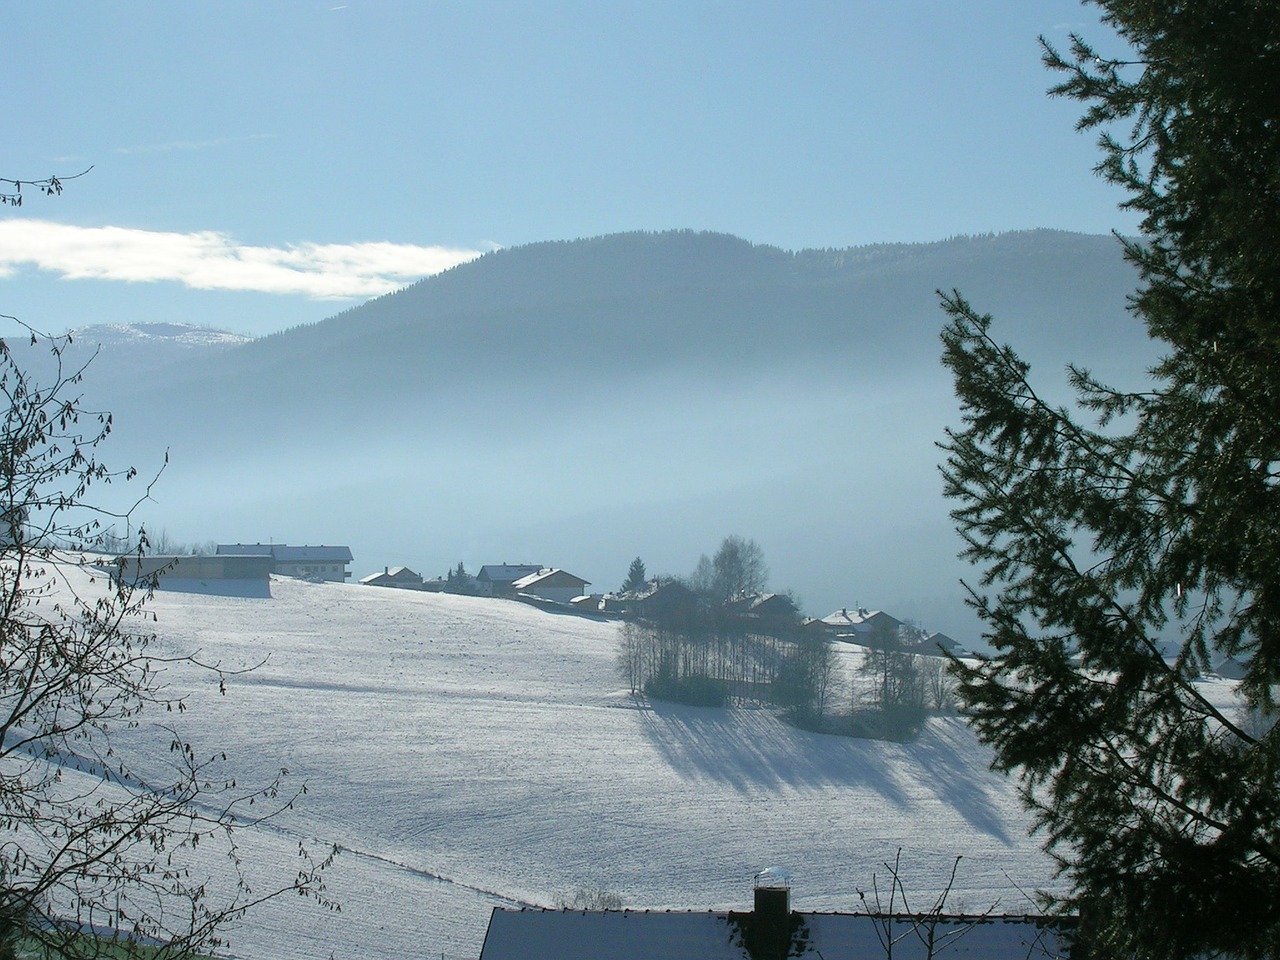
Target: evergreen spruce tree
[[1127, 544], [636, 577]]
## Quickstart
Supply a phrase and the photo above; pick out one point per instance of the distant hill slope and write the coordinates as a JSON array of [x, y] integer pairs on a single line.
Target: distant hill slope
[[577, 403]]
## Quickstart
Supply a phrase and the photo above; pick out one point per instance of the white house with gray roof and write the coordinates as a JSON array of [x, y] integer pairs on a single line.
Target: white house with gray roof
[[307, 562], [495, 579]]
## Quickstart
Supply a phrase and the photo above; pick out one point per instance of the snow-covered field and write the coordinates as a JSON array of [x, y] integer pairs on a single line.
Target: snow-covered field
[[466, 752]]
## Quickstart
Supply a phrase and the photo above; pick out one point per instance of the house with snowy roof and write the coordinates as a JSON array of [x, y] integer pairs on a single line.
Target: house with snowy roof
[[856, 624], [397, 577], [1231, 668], [775, 607], [553, 584], [666, 601], [771, 931], [310, 563], [495, 579], [936, 642]]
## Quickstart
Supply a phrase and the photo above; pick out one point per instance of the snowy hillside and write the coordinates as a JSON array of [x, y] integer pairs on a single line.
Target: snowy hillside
[[468, 752]]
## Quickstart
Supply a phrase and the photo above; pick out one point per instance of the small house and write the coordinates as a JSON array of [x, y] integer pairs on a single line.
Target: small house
[[401, 578], [775, 608], [495, 579], [588, 603], [554, 584], [665, 602], [855, 625], [935, 643]]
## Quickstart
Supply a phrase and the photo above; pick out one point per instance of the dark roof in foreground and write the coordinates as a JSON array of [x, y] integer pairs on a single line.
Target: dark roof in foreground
[[648, 935]]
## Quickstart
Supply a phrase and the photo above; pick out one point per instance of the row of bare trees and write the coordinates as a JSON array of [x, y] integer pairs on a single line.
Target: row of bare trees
[[711, 667], [897, 686], [889, 694]]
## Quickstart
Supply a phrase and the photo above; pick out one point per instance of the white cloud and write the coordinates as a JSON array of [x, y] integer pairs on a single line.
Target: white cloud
[[208, 260]]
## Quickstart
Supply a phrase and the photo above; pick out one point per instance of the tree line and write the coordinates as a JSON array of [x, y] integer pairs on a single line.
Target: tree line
[[716, 637]]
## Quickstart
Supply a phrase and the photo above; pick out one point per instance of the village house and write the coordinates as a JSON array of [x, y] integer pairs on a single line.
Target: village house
[[554, 584], [662, 601], [495, 579], [935, 643], [855, 625], [401, 578], [588, 603], [775, 608]]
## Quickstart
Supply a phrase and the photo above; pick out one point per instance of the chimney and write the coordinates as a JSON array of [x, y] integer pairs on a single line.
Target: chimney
[[771, 920]]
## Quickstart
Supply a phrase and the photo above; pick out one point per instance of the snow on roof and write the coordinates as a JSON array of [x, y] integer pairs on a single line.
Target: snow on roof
[[942, 640], [534, 579], [246, 549], [391, 573], [1232, 668], [773, 878], [607, 935], [858, 619], [287, 554], [642, 935], [507, 571]]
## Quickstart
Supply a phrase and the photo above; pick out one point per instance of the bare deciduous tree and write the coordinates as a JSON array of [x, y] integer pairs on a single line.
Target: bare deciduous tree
[[738, 569], [95, 844], [926, 933]]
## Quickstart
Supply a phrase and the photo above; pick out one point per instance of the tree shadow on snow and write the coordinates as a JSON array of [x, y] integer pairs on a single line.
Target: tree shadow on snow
[[970, 789], [750, 750]]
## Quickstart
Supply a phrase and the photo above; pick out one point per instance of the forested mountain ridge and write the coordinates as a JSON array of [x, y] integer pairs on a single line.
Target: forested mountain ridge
[[635, 301], [625, 300]]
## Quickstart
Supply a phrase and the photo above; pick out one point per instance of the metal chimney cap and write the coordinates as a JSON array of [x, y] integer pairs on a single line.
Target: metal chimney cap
[[773, 878]]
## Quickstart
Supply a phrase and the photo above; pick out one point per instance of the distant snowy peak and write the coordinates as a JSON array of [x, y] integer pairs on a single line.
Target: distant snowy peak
[[157, 334], [130, 355]]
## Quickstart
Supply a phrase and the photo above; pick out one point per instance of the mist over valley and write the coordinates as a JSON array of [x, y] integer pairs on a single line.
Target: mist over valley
[[579, 403]]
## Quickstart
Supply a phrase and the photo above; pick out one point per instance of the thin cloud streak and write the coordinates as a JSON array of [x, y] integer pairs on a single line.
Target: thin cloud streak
[[209, 260], [188, 145]]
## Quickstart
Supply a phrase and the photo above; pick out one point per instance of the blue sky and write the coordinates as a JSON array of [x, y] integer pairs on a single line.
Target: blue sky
[[258, 165]]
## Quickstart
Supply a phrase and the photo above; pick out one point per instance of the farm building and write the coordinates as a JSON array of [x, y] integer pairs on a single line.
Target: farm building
[[309, 563]]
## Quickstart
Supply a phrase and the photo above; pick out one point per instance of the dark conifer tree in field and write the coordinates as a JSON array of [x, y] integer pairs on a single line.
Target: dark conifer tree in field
[[457, 580], [1127, 544], [636, 577]]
